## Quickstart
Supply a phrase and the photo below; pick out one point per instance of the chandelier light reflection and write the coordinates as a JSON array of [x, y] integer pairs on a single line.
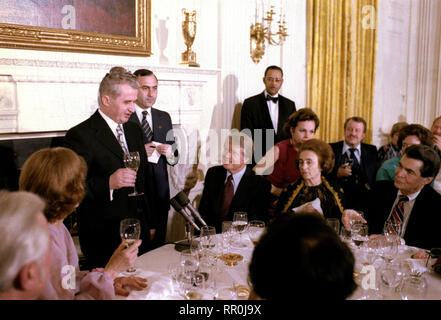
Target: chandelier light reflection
[[262, 31]]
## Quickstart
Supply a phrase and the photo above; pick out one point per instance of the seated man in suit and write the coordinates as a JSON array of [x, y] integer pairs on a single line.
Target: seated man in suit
[[408, 200], [356, 163], [268, 111], [234, 186]]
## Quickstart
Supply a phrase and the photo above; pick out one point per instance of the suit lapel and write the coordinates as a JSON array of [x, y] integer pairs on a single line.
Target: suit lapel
[[105, 135], [155, 124], [283, 114], [265, 112], [242, 187]]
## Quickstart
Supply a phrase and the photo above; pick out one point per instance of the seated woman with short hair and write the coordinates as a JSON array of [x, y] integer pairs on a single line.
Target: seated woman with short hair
[[58, 175], [313, 193]]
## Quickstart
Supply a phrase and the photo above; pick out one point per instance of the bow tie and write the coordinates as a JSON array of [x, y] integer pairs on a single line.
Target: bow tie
[[274, 99]]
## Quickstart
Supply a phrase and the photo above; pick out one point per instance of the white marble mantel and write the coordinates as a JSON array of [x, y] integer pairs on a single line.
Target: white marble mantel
[[50, 96]]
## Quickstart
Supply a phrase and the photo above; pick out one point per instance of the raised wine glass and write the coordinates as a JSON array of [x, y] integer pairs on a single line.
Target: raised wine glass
[[130, 230], [132, 161], [240, 223]]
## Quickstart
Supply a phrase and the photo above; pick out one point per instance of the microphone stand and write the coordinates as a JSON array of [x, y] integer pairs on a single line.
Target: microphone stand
[[186, 243]]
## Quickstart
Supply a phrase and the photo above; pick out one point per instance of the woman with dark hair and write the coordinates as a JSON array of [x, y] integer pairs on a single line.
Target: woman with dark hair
[[279, 162], [390, 150], [313, 193], [58, 175], [412, 134]]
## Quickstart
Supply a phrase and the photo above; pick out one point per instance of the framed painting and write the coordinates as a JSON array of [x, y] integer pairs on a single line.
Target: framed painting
[[121, 27]]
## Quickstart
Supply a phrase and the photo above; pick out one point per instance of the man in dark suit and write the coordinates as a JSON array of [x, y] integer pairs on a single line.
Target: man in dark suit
[[102, 141], [267, 112], [157, 135], [420, 209], [233, 186], [356, 163]]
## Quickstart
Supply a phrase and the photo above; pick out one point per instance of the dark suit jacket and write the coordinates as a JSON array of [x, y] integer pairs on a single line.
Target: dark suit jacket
[[369, 165], [255, 115], [98, 217], [161, 126], [252, 196], [424, 225]]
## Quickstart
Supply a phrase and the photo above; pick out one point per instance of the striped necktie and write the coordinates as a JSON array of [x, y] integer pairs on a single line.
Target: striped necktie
[[120, 134], [397, 215], [146, 127]]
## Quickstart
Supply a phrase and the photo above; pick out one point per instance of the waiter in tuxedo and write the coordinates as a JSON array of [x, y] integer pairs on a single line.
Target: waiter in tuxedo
[[157, 135], [267, 111], [356, 163], [102, 141], [233, 186]]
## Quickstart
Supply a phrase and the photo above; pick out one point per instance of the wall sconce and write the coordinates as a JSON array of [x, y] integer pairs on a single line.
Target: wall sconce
[[261, 31]]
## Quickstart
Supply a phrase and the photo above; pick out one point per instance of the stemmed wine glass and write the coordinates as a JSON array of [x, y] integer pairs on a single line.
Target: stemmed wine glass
[[240, 223], [132, 161], [130, 230]]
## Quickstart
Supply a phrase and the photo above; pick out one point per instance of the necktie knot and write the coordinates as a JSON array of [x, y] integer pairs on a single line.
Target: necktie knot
[[403, 198], [144, 114], [273, 99], [352, 151]]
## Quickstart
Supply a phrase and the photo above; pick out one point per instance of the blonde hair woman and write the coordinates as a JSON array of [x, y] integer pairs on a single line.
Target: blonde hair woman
[[58, 176]]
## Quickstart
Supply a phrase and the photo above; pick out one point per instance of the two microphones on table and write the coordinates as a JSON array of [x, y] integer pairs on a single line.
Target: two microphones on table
[[182, 204]]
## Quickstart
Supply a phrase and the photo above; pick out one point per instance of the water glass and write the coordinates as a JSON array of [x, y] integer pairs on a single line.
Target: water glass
[[255, 230], [207, 238], [414, 288]]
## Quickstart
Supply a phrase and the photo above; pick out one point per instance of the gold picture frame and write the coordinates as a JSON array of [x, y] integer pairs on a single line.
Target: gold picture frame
[[18, 36]]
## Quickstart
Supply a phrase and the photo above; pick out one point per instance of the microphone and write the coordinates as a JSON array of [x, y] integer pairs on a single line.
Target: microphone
[[187, 216], [183, 200]]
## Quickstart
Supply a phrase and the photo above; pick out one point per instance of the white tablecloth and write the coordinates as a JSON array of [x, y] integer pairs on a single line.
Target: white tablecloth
[[154, 265]]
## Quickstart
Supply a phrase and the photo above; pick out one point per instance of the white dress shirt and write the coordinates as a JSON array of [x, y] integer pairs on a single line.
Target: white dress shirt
[[273, 109]]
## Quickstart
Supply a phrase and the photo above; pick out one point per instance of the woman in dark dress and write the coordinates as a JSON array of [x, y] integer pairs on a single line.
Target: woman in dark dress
[[316, 159]]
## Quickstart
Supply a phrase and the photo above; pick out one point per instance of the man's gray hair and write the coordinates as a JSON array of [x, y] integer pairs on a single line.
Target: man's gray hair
[[111, 81], [22, 237], [242, 140]]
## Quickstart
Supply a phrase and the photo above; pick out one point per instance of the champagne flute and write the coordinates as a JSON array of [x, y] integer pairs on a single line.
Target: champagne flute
[[130, 230], [255, 230], [132, 161], [240, 223], [227, 234]]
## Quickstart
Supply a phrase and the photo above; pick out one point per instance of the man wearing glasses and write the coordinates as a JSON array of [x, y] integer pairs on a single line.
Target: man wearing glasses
[[267, 111]]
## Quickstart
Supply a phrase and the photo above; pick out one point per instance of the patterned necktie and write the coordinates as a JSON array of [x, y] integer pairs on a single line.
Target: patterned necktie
[[356, 164], [146, 127], [227, 197], [397, 215], [120, 134]]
